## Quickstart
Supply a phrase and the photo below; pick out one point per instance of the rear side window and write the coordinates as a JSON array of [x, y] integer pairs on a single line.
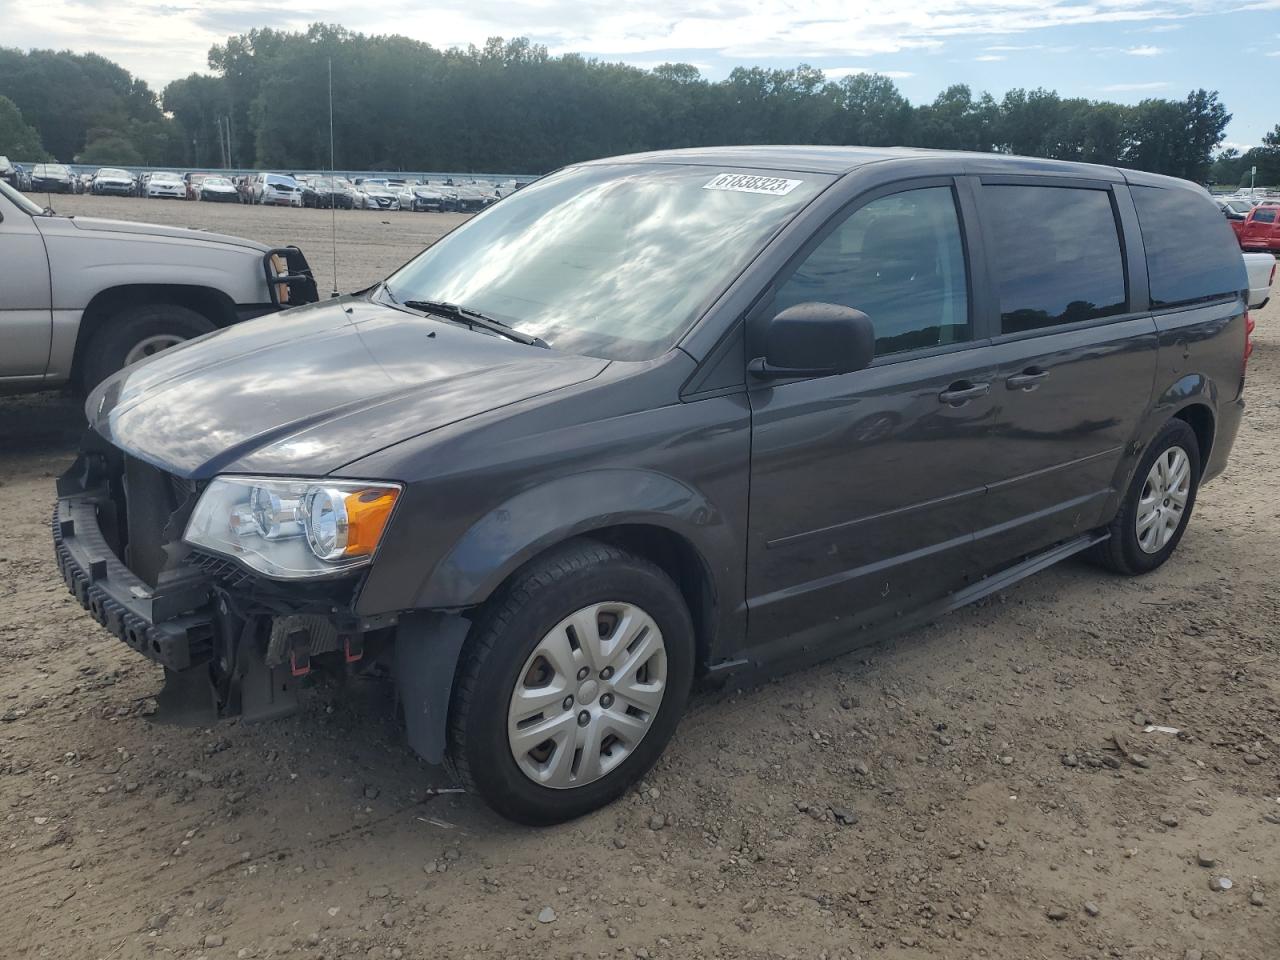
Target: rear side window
[[1192, 254], [898, 259], [1056, 255], [1264, 215]]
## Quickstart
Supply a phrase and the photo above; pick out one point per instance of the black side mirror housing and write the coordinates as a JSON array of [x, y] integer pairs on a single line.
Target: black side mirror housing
[[815, 340]]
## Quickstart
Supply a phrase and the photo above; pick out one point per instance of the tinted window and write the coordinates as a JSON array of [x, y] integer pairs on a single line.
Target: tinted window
[[900, 260], [1192, 254], [1055, 255], [1264, 215]]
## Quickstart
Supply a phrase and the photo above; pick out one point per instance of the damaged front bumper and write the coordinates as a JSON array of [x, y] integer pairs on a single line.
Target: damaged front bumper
[[171, 624], [232, 642]]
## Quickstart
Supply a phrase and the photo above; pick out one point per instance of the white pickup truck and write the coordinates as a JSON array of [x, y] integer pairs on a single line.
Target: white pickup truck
[[1262, 271], [80, 297]]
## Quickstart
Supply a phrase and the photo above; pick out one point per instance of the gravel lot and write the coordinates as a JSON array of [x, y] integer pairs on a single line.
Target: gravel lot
[[957, 793]]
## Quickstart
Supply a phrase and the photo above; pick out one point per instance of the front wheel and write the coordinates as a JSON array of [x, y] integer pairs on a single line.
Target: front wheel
[[1157, 505], [572, 683], [134, 334]]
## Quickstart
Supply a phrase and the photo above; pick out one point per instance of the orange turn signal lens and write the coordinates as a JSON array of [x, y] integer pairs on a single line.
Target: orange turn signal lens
[[367, 514], [282, 269]]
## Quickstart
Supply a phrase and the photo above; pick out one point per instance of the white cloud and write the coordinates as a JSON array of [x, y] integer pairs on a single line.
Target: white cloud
[[1161, 28], [163, 39], [1135, 87], [839, 73], [989, 58], [1144, 51]]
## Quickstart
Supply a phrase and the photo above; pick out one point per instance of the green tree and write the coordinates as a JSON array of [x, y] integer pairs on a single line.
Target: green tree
[[18, 139], [107, 147], [63, 95]]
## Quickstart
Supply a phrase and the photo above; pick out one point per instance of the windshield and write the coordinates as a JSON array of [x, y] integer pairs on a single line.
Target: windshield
[[1240, 206], [612, 261], [114, 173], [215, 182], [165, 177], [19, 200]]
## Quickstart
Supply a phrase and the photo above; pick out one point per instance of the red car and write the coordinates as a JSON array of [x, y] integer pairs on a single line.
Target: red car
[[1260, 229]]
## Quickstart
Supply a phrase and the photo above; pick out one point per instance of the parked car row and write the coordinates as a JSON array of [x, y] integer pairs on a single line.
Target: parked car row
[[1254, 220], [268, 189]]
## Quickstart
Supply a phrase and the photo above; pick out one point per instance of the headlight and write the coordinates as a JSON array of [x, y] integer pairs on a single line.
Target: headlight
[[292, 529]]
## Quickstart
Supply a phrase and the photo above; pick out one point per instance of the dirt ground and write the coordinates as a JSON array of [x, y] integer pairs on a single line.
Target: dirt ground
[[956, 793]]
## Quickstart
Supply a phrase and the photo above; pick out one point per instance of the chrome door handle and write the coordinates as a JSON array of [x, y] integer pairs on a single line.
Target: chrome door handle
[[962, 392], [1027, 380]]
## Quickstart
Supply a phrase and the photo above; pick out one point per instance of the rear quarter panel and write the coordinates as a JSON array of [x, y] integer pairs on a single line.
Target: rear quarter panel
[[1199, 362]]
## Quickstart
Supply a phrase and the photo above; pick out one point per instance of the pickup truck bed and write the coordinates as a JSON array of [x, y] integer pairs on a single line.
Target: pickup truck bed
[[1262, 271]]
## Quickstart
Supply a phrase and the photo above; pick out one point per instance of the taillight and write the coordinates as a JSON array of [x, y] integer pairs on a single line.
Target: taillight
[[1249, 325]]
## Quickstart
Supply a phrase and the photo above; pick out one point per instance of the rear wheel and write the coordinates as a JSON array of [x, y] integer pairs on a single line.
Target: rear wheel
[[135, 333], [1157, 505], [571, 684]]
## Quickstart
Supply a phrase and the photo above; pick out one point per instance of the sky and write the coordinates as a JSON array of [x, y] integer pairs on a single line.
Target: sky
[[1122, 50]]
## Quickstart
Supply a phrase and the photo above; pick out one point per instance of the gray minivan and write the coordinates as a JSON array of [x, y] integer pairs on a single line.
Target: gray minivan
[[661, 418]]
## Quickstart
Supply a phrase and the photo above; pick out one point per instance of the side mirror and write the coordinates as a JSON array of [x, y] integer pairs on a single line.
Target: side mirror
[[815, 340]]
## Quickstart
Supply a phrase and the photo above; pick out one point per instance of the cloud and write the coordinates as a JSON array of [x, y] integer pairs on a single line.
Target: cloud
[[1135, 87], [1145, 51], [989, 58], [1161, 28], [839, 73], [163, 39]]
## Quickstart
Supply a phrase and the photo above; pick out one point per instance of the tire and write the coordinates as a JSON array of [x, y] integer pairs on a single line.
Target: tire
[[512, 626], [119, 334], [1124, 552]]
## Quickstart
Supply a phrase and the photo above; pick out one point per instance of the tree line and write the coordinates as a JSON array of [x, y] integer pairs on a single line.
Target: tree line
[[510, 106]]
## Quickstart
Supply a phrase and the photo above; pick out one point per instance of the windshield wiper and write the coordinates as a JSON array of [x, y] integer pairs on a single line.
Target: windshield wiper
[[473, 319]]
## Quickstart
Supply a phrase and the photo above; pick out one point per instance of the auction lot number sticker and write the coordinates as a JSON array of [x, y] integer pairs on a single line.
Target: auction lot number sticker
[[749, 183]]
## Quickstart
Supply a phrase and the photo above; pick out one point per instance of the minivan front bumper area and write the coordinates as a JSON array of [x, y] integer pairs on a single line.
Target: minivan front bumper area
[[231, 642], [172, 625]]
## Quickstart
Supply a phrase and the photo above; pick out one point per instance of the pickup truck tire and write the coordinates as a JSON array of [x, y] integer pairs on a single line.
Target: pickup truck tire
[[1161, 494], [121, 334], [581, 577]]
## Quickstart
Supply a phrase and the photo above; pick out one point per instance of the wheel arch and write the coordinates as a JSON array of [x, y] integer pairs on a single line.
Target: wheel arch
[[214, 305], [653, 515], [1193, 400], [1199, 416]]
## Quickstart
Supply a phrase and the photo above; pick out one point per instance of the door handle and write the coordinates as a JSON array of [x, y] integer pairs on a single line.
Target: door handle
[[1027, 380], [962, 391]]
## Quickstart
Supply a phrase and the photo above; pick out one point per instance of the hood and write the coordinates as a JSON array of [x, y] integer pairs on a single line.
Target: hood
[[310, 390], [159, 230]]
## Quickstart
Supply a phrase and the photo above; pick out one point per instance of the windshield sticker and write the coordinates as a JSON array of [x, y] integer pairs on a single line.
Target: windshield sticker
[[748, 183]]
